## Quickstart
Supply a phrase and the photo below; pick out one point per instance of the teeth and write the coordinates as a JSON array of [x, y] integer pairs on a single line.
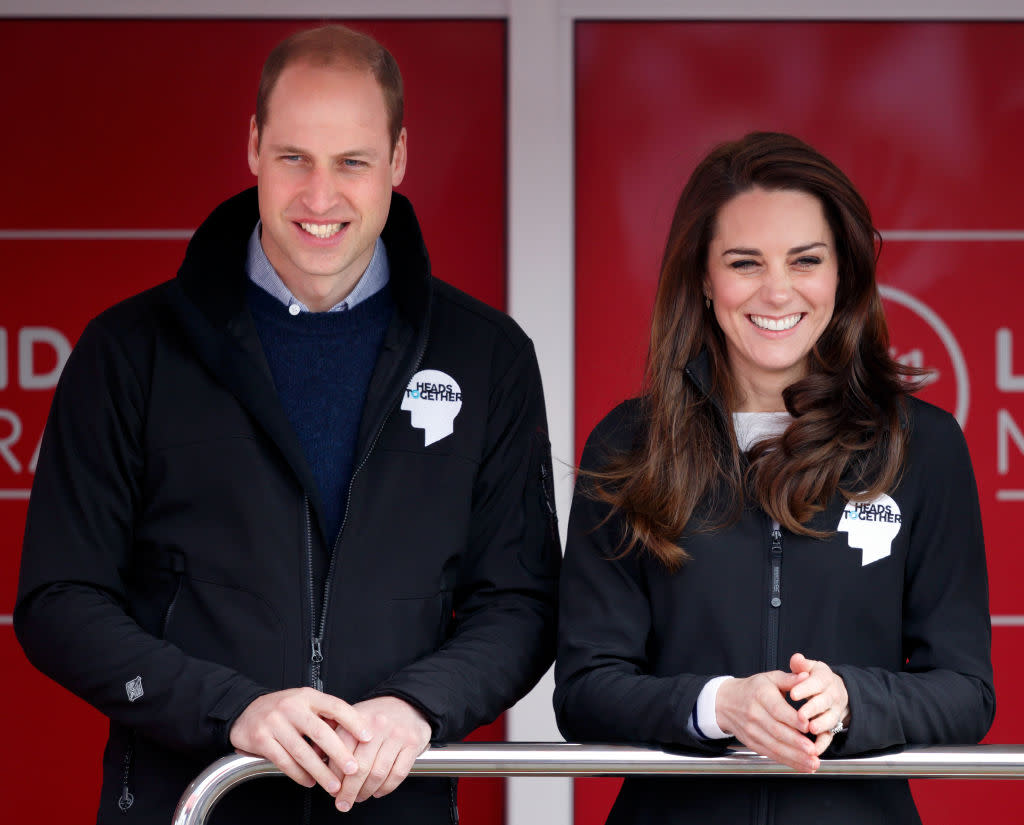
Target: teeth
[[776, 325], [321, 230]]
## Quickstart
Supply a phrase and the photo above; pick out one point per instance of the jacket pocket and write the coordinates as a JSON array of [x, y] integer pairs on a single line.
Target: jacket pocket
[[155, 581], [449, 576], [541, 553], [209, 620]]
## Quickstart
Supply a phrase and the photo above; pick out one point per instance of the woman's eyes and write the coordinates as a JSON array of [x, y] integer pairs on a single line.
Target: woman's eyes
[[743, 265], [750, 265], [808, 260]]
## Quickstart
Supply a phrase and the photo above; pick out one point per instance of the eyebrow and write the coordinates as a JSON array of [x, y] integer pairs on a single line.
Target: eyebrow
[[288, 149], [796, 250]]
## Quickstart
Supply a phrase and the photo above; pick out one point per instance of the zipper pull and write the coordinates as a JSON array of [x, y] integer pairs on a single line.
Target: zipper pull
[[127, 798], [316, 658]]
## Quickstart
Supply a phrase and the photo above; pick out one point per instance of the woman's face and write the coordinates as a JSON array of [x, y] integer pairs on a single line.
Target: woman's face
[[772, 276]]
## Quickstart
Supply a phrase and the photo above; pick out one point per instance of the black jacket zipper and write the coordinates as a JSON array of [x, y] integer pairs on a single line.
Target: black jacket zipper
[[774, 599], [127, 798], [771, 648], [318, 628]]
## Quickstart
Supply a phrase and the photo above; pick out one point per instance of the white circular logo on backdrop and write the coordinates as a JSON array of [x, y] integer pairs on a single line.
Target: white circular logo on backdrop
[[952, 349]]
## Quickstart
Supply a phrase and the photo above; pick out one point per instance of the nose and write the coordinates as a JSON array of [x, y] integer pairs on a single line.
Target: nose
[[320, 194], [776, 284]]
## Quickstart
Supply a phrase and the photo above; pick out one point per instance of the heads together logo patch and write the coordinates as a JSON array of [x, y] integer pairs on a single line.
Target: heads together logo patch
[[433, 398], [871, 526]]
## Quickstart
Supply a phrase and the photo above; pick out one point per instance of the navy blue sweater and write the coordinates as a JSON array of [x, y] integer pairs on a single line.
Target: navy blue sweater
[[322, 363]]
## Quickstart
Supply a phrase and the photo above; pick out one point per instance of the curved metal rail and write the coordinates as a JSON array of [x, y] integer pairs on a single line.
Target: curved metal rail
[[563, 759]]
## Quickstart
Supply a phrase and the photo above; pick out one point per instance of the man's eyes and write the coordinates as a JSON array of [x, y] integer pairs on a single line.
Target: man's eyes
[[346, 163]]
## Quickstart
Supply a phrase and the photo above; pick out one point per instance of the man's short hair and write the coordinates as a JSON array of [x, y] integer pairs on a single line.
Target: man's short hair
[[335, 47]]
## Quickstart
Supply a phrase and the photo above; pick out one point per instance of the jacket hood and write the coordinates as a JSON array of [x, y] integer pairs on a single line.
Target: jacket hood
[[213, 273]]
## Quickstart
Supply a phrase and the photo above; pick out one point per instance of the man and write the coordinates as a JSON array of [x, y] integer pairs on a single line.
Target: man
[[296, 501]]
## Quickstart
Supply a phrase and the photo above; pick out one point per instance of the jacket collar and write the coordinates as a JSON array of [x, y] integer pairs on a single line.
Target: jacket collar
[[216, 321], [699, 372], [213, 273]]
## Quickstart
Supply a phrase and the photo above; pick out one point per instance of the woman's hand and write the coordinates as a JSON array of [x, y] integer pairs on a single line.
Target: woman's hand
[[755, 710], [825, 700]]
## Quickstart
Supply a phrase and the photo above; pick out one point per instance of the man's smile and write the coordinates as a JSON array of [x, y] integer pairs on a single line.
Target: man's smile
[[322, 230]]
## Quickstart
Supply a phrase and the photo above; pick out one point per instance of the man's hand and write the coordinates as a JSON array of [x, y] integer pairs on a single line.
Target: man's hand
[[280, 727], [399, 735], [756, 712], [827, 702]]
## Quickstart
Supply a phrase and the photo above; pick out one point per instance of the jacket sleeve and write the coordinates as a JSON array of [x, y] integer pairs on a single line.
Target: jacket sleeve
[[604, 688], [505, 594], [70, 616], [944, 693]]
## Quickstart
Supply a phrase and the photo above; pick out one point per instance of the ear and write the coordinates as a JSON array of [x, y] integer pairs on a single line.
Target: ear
[[398, 158], [254, 146]]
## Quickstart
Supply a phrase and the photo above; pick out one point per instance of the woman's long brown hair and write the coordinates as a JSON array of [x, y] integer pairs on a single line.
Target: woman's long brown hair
[[685, 470]]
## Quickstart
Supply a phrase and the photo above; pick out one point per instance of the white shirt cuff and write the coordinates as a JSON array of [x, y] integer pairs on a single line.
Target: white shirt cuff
[[703, 721]]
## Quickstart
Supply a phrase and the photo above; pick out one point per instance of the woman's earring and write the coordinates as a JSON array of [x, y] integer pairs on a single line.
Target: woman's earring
[[707, 302]]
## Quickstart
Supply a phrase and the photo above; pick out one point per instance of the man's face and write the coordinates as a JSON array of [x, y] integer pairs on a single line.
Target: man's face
[[325, 170]]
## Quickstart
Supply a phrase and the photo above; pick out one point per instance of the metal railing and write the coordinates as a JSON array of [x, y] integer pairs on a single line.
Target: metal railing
[[562, 759]]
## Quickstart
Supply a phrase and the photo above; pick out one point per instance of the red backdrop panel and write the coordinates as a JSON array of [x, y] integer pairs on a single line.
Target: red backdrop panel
[[923, 117], [142, 125]]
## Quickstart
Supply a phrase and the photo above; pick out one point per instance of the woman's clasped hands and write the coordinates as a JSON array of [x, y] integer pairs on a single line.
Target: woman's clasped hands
[[758, 712]]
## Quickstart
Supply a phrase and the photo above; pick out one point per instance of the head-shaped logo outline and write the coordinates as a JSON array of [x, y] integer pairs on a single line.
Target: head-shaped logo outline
[[873, 536], [433, 399]]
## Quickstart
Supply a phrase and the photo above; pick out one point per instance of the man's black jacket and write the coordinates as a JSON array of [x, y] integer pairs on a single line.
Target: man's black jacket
[[166, 572]]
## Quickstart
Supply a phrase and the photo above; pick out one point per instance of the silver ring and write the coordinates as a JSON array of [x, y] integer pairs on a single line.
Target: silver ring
[[839, 728]]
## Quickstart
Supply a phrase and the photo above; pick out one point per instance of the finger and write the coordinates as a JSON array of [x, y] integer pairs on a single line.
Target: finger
[[380, 770], [817, 680], [293, 743], [764, 727], [365, 755], [283, 762], [347, 739], [822, 741], [815, 704], [778, 709], [786, 682], [795, 758], [825, 721], [798, 663], [831, 697], [783, 745], [339, 755], [346, 716], [401, 769]]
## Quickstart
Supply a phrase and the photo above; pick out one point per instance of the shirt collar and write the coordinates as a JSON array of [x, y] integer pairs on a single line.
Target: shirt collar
[[261, 273]]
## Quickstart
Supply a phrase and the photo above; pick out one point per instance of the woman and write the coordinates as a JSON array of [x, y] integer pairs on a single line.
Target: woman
[[776, 544]]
